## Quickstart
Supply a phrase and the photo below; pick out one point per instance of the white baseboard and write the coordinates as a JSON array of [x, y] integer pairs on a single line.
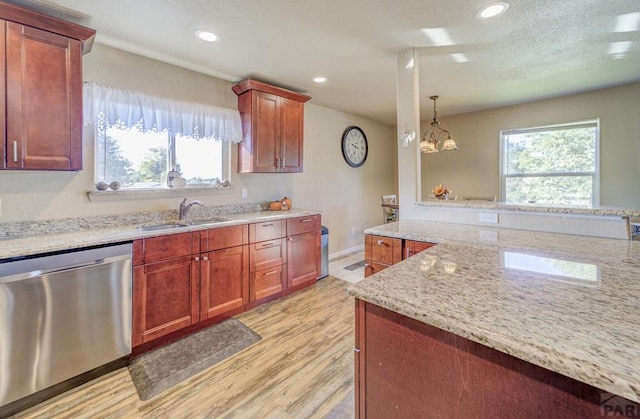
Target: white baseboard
[[346, 252]]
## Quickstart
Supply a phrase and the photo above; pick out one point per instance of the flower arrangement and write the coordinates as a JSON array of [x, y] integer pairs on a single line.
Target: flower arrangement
[[441, 191]]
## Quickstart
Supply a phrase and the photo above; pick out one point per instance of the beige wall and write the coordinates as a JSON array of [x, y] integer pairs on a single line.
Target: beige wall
[[348, 197], [474, 168]]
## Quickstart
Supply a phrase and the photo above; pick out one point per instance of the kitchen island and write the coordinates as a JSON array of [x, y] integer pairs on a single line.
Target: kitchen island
[[499, 323]]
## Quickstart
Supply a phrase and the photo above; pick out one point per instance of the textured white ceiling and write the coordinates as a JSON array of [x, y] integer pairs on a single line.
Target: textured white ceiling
[[537, 49]]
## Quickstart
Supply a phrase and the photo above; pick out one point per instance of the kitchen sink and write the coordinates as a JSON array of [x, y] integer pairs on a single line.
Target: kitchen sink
[[213, 220], [166, 226], [182, 224]]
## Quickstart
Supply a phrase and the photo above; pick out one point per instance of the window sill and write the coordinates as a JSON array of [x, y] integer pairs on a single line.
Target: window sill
[[131, 194]]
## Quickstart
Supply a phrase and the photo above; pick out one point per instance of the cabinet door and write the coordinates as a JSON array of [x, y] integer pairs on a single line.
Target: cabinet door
[[165, 298], [224, 281], [44, 100], [412, 247], [266, 132], [303, 252], [291, 130]]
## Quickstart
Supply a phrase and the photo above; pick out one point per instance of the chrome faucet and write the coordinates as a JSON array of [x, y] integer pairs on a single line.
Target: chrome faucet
[[184, 208]]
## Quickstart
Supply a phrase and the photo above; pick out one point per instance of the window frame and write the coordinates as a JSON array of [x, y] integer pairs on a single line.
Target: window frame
[[595, 175]]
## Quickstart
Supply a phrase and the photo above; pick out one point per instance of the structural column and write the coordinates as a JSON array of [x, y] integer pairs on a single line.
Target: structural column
[[408, 104]]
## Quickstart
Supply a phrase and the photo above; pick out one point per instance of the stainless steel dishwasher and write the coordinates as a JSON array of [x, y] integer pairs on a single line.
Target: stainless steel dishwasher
[[62, 315]]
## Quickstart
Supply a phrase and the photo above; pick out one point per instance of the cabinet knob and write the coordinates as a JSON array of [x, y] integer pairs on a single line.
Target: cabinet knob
[[290, 239], [366, 265], [197, 258], [380, 242], [15, 151], [205, 258]]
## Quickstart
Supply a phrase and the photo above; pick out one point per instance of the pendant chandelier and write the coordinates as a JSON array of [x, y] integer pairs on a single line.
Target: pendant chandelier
[[430, 142]]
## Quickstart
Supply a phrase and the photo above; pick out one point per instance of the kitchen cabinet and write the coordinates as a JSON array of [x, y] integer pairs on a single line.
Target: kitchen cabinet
[[413, 247], [165, 285], [267, 259], [182, 279], [303, 251], [380, 252], [224, 271], [272, 124], [41, 90]]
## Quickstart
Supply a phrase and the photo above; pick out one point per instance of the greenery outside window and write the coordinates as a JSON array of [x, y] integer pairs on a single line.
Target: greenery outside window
[[554, 165]]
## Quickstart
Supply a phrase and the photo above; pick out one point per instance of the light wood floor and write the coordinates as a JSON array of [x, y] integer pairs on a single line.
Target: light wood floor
[[302, 368]]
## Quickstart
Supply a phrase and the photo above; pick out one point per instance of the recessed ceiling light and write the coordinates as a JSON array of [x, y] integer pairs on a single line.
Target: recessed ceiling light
[[319, 79], [208, 36], [492, 9]]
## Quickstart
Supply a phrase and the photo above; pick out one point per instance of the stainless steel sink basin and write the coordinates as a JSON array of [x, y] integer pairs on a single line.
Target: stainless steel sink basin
[[166, 226], [182, 224], [213, 220]]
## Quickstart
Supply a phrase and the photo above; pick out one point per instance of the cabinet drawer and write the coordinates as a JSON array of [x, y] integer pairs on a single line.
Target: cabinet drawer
[[267, 230], [301, 225], [267, 254], [223, 238], [267, 282], [382, 249], [171, 246]]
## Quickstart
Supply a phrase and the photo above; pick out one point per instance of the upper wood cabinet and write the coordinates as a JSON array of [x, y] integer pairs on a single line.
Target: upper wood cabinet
[[41, 90], [272, 125]]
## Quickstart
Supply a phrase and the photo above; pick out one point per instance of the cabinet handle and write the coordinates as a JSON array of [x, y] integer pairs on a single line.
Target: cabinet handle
[[366, 265], [356, 350], [380, 242], [205, 258], [270, 273], [15, 151], [267, 244], [267, 225], [282, 162], [197, 258], [307, 220], [290, 239]]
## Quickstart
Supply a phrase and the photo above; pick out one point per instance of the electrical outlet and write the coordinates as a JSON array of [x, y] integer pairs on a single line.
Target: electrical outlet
[[244, 193], [489, 217]]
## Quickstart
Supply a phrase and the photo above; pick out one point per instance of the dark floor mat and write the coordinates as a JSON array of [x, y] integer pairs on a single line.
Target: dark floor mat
[[158, 370]]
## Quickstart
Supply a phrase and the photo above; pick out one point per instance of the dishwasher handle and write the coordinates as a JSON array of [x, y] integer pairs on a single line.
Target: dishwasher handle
[[36, 273], [47, 265]]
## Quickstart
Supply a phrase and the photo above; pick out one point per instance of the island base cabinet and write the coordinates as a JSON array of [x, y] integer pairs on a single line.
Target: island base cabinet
[[408, 369]]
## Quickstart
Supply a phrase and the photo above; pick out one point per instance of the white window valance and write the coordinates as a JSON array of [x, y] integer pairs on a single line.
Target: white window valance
[[111, 107]]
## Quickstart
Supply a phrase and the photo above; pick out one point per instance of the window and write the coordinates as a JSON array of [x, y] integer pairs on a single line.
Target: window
[[553, 166], [144, 159], [141, 139]]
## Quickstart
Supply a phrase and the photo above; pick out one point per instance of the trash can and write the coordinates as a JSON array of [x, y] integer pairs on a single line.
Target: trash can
[[324, 252]]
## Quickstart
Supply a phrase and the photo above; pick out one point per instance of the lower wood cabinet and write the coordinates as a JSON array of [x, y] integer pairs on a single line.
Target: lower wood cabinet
[[303, 251], [186, 281], [165, 298], [380, 252], [224, 281]]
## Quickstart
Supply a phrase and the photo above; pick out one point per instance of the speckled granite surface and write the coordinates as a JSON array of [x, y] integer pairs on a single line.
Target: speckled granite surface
[[566, 303], [601, 211], [30, 238]]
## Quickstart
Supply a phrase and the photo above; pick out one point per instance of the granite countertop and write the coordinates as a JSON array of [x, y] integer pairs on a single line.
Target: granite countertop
[[566, 303], [502, 206], [31, 238]]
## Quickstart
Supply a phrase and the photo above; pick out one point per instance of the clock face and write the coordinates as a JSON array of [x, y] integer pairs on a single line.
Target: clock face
[[354, 146]]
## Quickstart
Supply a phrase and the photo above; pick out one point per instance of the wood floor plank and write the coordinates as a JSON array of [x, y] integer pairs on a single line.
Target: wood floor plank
[[302, 368]]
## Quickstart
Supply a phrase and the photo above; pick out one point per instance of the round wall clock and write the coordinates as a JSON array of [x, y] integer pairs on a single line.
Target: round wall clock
[[354, 146]]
